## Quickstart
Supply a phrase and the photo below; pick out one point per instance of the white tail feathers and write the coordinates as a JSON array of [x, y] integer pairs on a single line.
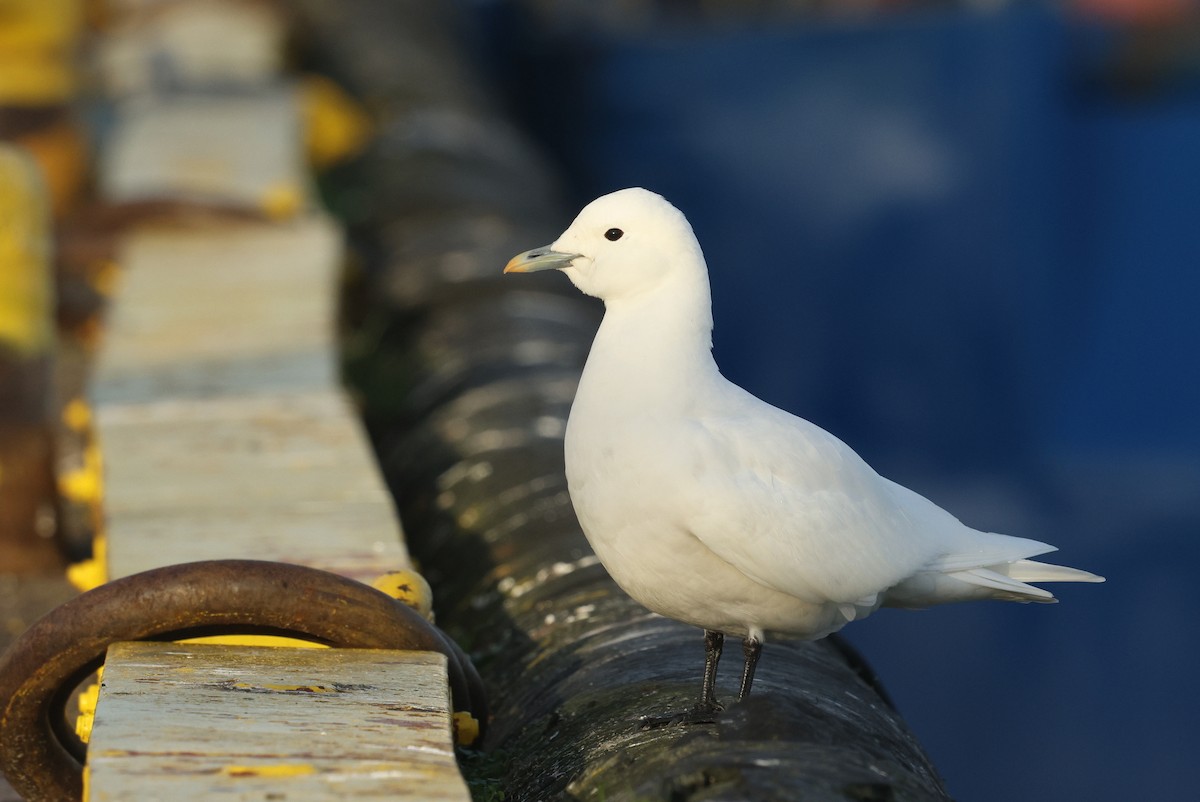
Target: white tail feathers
[[1033, 571], [1001, 586], [1006, 581]]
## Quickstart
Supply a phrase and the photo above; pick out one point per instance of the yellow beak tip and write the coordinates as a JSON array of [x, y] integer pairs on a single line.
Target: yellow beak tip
[[539, 259]]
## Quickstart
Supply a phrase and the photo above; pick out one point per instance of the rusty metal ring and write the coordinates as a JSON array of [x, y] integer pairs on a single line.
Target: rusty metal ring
[[43, 760]]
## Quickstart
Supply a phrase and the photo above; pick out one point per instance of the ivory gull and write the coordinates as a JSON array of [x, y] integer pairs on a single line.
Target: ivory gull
[[712, 507]]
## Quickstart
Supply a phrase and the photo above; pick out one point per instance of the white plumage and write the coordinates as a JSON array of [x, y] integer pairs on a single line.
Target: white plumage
[[710, 506]]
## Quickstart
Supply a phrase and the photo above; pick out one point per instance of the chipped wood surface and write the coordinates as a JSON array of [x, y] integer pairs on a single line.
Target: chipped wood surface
[[246, 723]]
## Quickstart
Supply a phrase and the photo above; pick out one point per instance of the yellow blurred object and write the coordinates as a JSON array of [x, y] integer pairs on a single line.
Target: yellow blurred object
[[26, 281], [282, 201], [335, 126], [410, 588], [86, 484], [37, 50], [466, 728], [93, 572], [105, 278], [77, 415]]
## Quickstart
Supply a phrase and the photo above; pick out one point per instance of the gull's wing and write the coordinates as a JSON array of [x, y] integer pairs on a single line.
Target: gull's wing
[[795, 509]]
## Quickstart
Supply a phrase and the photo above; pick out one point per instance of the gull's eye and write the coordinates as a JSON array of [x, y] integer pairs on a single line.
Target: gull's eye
[[613, 234]]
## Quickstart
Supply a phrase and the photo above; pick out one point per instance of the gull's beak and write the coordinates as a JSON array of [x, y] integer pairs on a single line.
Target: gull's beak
[[539, 259]]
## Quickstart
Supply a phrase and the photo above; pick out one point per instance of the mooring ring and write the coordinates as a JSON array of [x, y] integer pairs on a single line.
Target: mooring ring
[[43, 760]]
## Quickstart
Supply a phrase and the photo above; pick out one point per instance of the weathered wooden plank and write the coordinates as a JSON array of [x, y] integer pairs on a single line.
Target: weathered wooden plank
[[230, 310], [206, 44], [237, 452], [244, 723], [243, 149], [286, 477], [326, 536]]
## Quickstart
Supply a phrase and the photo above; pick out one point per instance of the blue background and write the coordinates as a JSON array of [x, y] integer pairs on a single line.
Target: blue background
[[962, 244]]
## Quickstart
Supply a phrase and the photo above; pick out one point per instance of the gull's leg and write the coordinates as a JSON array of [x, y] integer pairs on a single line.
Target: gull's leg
[[703, 712], [713, 641], [752, 648]]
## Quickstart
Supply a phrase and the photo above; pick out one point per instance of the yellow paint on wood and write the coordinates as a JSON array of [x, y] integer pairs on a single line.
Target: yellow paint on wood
[[255, 640], [86, 704], [26, 283], [270, 770]]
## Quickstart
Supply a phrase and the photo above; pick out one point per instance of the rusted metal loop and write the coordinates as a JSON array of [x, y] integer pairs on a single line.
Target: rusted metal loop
[[43, 760]]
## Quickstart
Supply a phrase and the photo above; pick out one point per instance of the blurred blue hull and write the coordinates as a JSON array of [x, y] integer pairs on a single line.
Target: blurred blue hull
[[946, 240]]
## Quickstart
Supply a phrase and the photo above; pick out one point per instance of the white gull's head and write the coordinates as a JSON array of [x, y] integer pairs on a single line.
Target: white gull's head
[[620, 246]]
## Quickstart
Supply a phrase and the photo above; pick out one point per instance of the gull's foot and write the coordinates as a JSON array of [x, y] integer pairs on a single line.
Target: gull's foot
[[700, 714]]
